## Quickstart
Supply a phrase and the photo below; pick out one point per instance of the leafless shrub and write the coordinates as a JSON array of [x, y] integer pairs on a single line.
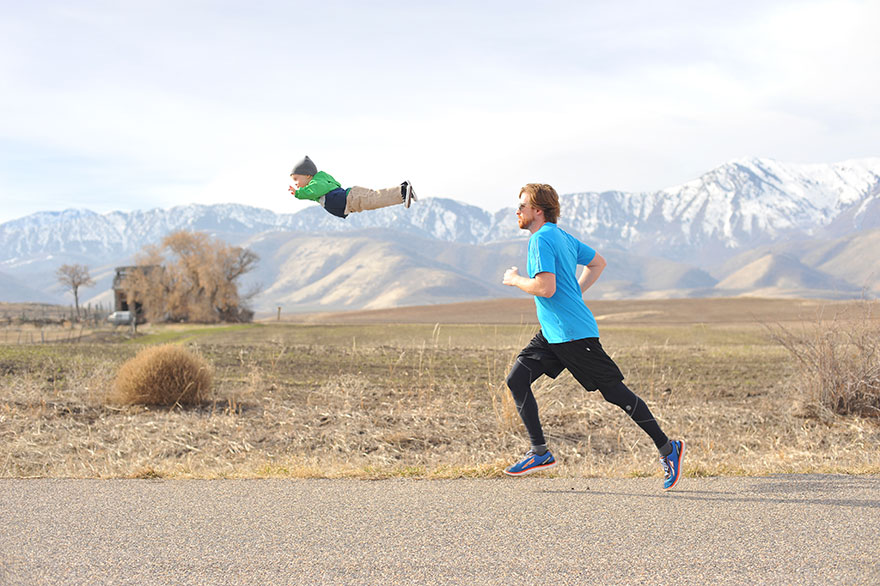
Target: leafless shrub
[[73, 277], [839, 361], [163, 375]]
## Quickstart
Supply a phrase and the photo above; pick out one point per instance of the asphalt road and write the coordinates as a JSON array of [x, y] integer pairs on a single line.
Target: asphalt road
[[787, 529]]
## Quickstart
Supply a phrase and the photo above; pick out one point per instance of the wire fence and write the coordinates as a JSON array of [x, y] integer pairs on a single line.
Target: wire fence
[[42, 324]]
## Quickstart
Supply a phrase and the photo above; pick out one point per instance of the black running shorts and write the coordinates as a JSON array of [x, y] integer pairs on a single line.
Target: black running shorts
[[585, 359]]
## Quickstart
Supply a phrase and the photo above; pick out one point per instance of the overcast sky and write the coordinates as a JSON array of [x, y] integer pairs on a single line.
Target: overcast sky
[[135, 105]]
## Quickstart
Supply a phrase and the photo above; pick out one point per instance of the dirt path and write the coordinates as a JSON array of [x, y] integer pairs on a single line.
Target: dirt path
[[771, 530]]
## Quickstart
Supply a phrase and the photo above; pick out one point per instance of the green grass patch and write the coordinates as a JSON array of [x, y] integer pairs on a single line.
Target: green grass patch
[[170, 336]]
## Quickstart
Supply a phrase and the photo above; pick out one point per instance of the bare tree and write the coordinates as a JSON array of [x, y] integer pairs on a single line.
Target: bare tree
[[73, 277], [191, 277]]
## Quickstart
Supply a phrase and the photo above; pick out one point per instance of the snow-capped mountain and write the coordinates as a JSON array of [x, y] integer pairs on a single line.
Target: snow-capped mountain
[[102, 237], [732, 209], [737, 206]]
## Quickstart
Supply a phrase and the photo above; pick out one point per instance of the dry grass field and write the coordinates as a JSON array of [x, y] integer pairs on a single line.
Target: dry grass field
[[420, 392]]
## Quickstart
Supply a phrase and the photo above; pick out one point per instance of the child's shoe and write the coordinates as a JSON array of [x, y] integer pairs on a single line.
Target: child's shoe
[[407, 193]]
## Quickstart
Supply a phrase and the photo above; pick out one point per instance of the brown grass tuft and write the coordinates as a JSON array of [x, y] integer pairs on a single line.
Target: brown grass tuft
[[163, 375], [839, 362]]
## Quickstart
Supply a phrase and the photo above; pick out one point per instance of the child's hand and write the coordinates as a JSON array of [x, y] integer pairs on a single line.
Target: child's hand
[[292, 189]]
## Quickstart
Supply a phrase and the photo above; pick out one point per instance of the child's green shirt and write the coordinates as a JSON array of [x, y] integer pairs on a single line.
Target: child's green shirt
[[320, 185]]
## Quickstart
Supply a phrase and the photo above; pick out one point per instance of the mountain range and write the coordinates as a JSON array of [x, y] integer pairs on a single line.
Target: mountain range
[[748, 227]]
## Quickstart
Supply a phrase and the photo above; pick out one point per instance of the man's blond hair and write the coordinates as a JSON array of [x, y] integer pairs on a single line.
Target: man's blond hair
[[545, 198]]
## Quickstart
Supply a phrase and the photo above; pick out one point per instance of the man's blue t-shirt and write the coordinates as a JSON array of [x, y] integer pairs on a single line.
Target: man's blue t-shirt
[[564, 316]]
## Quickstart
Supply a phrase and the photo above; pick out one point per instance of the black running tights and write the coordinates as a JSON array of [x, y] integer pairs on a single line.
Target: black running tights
[[526, 371]]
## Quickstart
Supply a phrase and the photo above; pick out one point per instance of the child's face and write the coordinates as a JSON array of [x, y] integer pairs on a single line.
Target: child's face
[[301, 180]]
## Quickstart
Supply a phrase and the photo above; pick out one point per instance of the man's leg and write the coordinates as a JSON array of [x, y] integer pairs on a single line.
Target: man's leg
[[671, 452], [525, 371], [619, 394], [594, 369]]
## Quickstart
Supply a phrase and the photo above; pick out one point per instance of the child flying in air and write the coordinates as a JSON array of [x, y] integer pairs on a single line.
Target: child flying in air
[[321, 187]]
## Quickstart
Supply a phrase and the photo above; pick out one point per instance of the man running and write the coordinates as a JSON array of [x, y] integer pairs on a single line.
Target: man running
[[569, 336]]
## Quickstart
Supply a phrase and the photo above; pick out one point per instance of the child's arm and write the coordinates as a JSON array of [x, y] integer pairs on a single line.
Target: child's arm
[[320, 185]]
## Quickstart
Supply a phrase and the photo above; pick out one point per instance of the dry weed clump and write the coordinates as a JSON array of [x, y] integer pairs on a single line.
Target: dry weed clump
[[163, 375], [839, 362]]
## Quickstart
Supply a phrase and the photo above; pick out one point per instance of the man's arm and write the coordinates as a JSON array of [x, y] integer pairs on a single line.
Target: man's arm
[[592, 272], [543, 285]]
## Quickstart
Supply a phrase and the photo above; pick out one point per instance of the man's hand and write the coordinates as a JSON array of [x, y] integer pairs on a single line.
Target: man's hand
[[510, 276], [543, 285]]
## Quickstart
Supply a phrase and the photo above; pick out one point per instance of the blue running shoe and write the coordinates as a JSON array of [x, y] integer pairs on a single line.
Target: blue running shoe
[[532, 462], [672, 464]]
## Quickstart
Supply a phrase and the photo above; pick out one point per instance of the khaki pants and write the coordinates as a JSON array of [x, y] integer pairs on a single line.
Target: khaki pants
[[361, 198]]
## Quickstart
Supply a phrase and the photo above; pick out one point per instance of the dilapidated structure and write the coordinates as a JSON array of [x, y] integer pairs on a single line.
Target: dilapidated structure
[[120, 298]]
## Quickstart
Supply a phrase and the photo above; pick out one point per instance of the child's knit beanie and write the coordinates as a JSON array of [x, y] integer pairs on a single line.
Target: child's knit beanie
[[304, 167]]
